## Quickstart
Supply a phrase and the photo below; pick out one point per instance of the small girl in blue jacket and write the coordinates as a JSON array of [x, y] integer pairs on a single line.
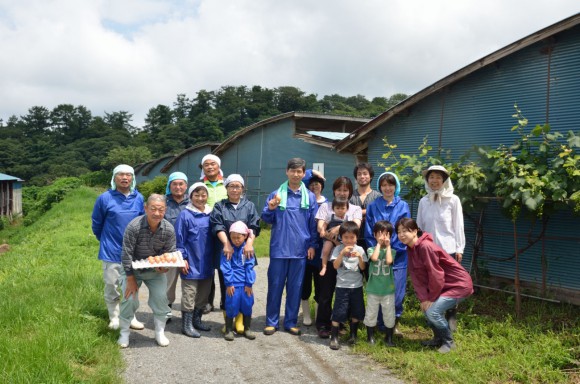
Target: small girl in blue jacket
[[239, 277]]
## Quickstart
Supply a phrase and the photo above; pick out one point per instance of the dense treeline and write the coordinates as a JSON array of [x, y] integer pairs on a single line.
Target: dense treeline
[[69, 141]]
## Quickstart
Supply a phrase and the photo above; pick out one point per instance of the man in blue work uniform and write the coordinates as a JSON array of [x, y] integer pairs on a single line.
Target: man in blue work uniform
[[290, 210], [113, 210]]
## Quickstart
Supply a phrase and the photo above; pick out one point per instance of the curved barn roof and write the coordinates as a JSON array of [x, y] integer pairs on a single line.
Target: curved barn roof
[[149, 166], [176, 159], [356, 141], [307, 126]]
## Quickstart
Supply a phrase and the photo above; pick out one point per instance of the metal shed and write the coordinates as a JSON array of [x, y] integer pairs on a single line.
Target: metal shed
[[10, 196], [541, 73], [189, 160], [151, 169], [261, 151]]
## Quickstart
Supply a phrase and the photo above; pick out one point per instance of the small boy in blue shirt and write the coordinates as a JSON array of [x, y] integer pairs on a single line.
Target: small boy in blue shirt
[[239, 277], [349, 261]]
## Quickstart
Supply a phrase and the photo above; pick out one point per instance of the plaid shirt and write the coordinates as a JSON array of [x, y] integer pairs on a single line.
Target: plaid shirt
[[139, 242]]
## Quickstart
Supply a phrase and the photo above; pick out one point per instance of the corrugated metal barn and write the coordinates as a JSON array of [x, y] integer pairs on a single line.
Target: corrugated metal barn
[[151, 169], [261, 151], [188, 161], [10, 196], [474, 106]]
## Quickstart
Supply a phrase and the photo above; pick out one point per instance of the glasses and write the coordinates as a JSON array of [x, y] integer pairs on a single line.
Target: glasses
[[235, 187]]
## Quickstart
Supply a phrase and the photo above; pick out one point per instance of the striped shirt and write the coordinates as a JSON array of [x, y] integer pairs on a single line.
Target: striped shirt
[[139, 242]]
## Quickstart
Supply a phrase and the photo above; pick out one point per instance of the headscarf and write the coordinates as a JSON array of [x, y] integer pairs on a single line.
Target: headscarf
[[240, 227], [446, 189], [398, 186], [172, 177], [214, 158], [190, 205], [123, 168], [234, 177]]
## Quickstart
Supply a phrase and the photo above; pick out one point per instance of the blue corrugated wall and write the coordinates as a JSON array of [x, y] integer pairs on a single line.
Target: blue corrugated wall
[[261, 156], [477, 110]]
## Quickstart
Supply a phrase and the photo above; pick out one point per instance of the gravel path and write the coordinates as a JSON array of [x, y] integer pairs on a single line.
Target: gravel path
[[211, 359]]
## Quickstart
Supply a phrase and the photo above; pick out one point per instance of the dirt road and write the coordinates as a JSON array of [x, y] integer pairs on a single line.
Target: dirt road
[[268, 359]]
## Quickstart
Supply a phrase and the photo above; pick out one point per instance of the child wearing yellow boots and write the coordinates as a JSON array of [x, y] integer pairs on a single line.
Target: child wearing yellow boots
[[239, 277]]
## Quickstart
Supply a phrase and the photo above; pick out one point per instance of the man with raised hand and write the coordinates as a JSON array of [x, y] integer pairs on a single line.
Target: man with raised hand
[[291, 210]]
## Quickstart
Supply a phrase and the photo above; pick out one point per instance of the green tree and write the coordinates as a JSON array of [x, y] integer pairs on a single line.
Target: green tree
[[290, 99], [69, 123], [126, 155]]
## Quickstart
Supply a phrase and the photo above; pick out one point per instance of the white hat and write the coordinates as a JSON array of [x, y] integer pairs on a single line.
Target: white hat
[[234, 177], [123, 168], [194, 187], [439, 168], [211, 157]]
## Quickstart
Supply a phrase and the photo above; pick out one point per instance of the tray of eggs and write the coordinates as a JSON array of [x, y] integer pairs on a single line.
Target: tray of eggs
[[166, 260]]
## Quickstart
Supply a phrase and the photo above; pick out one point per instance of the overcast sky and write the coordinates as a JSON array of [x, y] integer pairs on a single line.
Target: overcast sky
[[131, 55]]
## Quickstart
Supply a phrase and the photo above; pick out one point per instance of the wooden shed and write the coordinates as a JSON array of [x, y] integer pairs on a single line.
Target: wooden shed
[[10, 196]]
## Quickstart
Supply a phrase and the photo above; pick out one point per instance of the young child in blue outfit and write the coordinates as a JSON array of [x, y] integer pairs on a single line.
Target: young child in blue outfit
[[239, 277], [349, 260]]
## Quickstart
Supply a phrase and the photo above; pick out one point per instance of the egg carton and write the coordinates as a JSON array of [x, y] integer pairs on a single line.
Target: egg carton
[[155, 261]]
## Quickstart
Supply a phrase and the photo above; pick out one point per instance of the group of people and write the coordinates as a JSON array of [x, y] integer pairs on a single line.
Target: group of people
[[211, 223], [331, 246]]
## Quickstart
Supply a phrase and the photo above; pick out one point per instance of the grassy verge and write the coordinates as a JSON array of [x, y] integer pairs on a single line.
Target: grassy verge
[[493, 347], [262, 243], [53, 316]]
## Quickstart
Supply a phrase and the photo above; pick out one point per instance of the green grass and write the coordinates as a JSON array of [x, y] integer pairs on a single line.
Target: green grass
[[493, 347], [262, 243], [54, 320]]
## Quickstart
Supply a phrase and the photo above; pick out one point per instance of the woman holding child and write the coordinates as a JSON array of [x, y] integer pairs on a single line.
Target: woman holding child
[[390, 207], [342, 190], [226, 212]]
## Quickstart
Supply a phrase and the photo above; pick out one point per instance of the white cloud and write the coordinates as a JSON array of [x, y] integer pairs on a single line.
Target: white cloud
[[113, 55]]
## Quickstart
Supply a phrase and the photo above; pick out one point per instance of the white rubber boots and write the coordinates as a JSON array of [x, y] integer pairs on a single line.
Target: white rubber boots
[[160, 338], [114, 311]]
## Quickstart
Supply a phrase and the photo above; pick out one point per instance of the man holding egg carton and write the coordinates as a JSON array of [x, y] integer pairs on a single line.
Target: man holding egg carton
[[146, 235]]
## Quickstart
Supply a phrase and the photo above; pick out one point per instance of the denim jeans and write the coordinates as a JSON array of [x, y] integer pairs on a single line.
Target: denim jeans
[[436, 313]]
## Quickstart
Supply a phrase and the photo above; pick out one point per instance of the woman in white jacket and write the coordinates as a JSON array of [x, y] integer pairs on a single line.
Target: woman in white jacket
[[440, 213]]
